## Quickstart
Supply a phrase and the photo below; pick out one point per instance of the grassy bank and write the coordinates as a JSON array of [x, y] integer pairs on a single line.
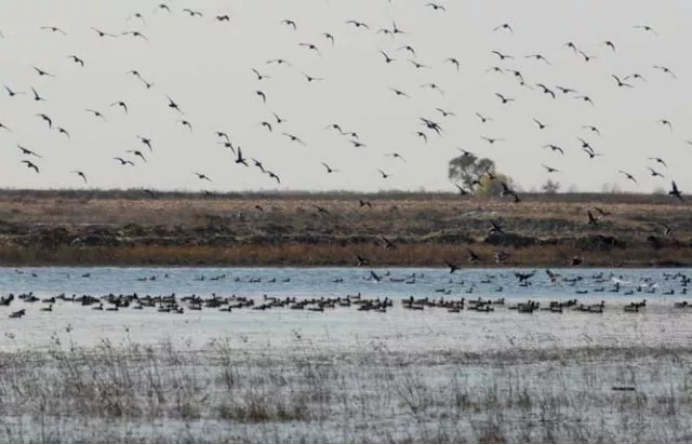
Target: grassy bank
[[132, 228], [131, 393], [419, 255]]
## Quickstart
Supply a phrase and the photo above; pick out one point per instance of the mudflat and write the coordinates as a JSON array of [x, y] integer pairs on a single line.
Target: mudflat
[[133, 227]]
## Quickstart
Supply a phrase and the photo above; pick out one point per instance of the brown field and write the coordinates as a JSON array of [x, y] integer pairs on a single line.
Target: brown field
[[117, 227]]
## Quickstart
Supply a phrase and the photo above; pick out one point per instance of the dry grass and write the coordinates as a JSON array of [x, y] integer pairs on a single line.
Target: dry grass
[[302, 255], [131, 393], [125, 227]]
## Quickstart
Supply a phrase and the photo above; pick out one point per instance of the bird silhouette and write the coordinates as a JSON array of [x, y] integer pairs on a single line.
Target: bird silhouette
[[675, 191], [31, 165], [81, 175]]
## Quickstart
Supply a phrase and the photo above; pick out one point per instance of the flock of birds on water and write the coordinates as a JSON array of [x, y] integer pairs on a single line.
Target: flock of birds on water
[[397, 53], [449, 299]]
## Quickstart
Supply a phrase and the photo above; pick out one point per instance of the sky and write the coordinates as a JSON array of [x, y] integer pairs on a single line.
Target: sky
[[205, 66]]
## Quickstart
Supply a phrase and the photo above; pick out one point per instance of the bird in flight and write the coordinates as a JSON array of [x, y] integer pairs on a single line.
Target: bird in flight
[[666, 70], [654, 173], [397, 156], [259, 75], [454, 62], [135, 34], [30, 164], [28, 152], [329, 36], [173, 105], [54, 29], [81, 175], [629, 176], [621, 83], [124, 161], [43, 72], [505, 100], [436, 7], [609, 44], [675, 191], [239, 159], [138, 153], [647, 28], [433, 86], [13, 93], [329, 169], [103, 33], [48, 120], [502, 56], [504, 26], [555, 148], [193, 13], [660, 161], [146, 141], [202, 176], [445, 113], [541, 125], [484, 119], [77, 60], [120, 104], [290, 23], [96, 113], [592, 128], [666, 123]]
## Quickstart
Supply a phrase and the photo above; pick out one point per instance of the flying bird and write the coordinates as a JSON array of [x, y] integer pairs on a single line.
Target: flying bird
[[675, 191], [453, 61], [290, 23], [138, 153], [504, 26], [120, 104], [54, 29], [660, 161], [629, 176], [654, 173], [555, 148], [30, 164], [329, 169], [505, 100], [28, 152], [48, 120], [96, 113], [124, 161], [77, 60], [81, 175], [647, 28]]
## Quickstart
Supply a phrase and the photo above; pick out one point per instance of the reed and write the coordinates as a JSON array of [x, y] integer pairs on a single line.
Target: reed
[[229, 393]]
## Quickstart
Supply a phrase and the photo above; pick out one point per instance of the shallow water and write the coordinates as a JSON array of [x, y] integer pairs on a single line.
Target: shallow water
[[346, 329], [321, 281]]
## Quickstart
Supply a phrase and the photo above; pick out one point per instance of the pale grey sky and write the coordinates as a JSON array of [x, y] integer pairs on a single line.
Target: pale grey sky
[[205, 66]]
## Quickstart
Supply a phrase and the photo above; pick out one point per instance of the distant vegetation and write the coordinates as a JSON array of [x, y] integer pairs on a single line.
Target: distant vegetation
[[133, 227], [572, 196]]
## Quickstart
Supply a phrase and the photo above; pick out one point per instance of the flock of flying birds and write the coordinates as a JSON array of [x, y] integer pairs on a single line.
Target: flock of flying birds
[[401, 53]]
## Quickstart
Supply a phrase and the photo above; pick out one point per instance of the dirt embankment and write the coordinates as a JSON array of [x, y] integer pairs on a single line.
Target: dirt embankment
[[52, 229]]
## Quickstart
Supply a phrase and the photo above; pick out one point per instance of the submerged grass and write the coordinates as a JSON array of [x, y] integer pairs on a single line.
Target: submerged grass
[[228, 393]]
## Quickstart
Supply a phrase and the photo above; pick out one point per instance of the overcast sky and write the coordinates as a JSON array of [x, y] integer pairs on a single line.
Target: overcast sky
[[205, 66]]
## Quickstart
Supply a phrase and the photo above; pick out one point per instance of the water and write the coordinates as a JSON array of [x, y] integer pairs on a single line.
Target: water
[[345, 329], [395, 283]]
